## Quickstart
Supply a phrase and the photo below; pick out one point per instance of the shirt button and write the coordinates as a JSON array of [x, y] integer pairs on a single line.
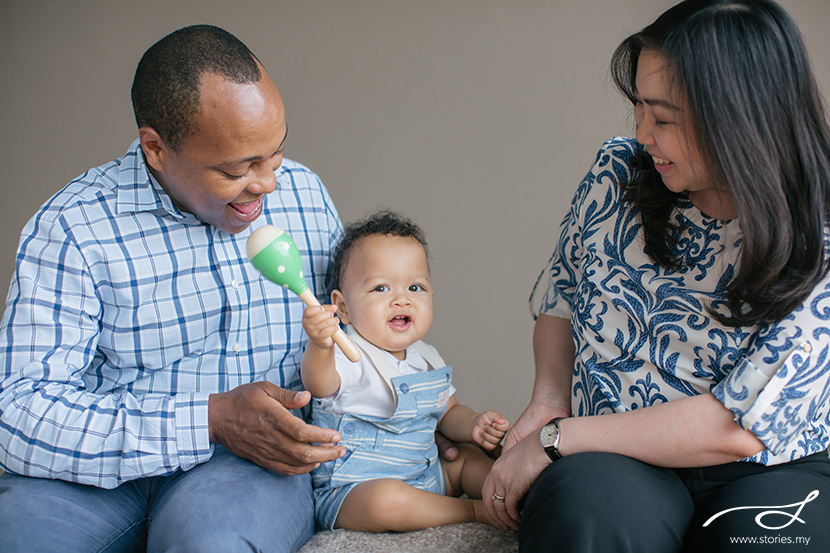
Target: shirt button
[[807, 347], [237, 348], [234, 284]]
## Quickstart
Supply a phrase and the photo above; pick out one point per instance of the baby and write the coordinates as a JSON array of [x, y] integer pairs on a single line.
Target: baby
[[387, 405]]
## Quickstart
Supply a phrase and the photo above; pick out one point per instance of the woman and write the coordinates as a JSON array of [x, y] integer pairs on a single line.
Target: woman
[[682, 340]]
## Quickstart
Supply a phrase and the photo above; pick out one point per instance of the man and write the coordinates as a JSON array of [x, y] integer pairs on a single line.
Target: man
[[146, 368]]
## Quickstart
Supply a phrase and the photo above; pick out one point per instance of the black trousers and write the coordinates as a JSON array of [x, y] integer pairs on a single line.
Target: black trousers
[[607, 503]]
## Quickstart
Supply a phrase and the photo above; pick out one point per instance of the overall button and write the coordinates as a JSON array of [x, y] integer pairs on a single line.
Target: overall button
[[404, 388], [346, 455], [349, 428]]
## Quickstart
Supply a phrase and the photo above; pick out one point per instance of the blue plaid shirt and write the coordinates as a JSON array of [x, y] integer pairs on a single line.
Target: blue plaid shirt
[[125, 313]]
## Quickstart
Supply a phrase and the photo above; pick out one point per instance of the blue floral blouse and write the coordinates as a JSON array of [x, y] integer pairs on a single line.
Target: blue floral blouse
[[643, 334]]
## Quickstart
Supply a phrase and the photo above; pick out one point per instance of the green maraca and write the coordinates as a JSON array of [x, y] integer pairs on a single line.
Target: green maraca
[[275, 255]]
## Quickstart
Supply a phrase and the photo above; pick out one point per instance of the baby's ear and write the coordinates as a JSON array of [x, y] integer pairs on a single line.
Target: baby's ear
[[338, 300]]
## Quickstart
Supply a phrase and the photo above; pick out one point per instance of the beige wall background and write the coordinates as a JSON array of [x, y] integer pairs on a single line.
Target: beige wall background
[[477, 118]]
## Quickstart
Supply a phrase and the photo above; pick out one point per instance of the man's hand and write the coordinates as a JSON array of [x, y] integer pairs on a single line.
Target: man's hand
[[254, 422], [446, 448]]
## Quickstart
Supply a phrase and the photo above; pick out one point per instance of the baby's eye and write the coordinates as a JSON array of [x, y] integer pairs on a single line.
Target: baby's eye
[[380, 288], [416, 288]]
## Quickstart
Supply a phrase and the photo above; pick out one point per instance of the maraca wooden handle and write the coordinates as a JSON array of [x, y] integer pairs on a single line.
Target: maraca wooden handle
[[339, 337]]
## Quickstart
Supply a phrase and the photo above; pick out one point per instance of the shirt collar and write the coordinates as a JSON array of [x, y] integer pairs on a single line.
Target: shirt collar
[[413, 358], [139, 191]]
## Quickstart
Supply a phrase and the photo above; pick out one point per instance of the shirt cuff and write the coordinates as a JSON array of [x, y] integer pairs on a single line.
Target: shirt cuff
[[552, 304], [776, 403], [192, 429]]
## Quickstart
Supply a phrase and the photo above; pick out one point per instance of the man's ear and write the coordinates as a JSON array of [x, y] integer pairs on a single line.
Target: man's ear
[[338, 300], [154, 148]]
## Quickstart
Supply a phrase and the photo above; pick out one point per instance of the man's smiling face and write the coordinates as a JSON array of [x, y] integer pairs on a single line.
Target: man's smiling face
[[222, 171]]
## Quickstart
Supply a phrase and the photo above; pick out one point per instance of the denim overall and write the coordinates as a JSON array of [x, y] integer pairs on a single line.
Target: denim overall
[[400, 447]]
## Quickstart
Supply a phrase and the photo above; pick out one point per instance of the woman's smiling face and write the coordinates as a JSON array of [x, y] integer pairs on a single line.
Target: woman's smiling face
[[663, 128]]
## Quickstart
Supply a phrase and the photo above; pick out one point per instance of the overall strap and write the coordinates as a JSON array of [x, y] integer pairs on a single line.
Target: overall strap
[[430, 355], [379, 359]]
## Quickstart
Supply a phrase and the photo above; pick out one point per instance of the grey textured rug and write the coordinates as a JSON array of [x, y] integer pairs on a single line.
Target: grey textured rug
[[470, 537]]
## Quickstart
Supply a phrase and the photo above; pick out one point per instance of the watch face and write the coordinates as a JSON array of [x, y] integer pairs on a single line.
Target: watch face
[[548, 435]]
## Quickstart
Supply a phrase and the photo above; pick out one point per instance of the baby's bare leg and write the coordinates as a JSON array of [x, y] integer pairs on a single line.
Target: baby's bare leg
[[466, 475], [468, 472], [392, 505]]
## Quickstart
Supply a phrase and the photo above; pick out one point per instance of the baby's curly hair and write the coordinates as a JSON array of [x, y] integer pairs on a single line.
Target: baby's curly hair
[[383, 222]]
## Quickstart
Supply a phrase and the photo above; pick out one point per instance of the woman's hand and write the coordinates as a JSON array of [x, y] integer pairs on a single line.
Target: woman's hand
[[535, 415], [511, 477]]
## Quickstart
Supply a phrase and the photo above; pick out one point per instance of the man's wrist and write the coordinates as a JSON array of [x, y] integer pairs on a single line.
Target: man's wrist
[[214, 416]]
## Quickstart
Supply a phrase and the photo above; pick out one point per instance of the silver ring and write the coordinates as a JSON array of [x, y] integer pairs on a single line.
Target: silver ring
[[497, 497]]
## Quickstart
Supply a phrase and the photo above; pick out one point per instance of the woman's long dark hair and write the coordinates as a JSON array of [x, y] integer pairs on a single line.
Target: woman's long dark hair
[[759, 122]]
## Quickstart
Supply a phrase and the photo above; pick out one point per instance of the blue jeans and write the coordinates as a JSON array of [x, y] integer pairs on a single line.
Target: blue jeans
[[225, 505]]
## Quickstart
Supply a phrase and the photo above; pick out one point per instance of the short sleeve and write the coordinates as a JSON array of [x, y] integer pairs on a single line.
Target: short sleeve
[[780, 390], [350, 374], [553, 293]]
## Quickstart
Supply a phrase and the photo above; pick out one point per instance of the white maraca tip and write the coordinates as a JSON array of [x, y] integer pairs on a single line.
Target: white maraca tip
[[261, 237]]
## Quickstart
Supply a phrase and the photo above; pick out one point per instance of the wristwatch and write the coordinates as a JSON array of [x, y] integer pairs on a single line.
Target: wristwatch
[[549, 438]]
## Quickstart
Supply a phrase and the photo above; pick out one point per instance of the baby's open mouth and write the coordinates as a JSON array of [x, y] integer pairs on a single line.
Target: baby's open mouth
[[400, 321]]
